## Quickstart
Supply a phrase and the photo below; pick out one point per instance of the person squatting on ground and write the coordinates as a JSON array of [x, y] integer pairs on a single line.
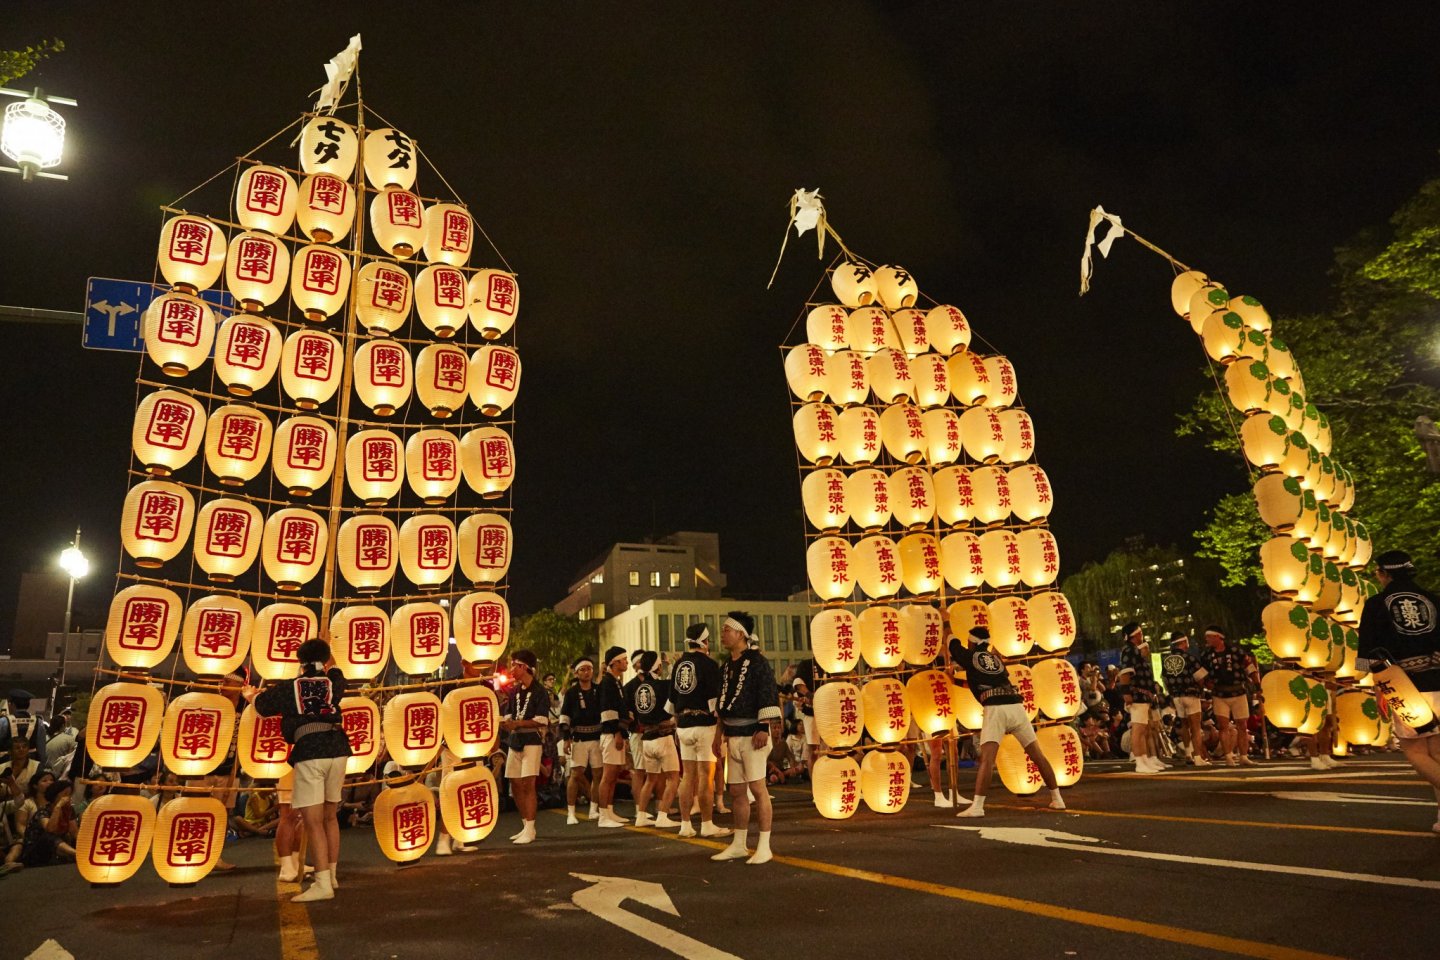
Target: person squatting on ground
[[694, 698], [1183, 674], [1003, 711], [749, 702], [1398, 625], [1144, 707], [580, 738], [309, 708], [1227, 669], [615, 724], [527, 716], [659, 771]]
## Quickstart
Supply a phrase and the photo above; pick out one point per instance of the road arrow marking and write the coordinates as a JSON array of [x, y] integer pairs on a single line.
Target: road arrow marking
[[1325, 796], [604, 900], [1071, 842], [50, 950]]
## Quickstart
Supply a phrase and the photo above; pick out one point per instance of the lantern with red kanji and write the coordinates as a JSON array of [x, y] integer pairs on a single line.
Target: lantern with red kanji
[[279, 630], [167, 431], [265, 200], [486, 540], [293, 548], [887, 709], [859, 435], [1023, 680], [895, 287], [969, 378], [155, 521], [947, 329], [382, 376], [382, 298], [494, 379], [397, 218], [1018, 772], [877, 566], [825, 327], [304, 456], [237, 443], [889, 374], [805, 372], [965, 615], [869, 330], [1002, 387], [311, 363], [912, 497], [261, 747], [449, 234], [922, 631], [931, 701], [442, 299], [360, 641], [1039, 557], [326, 209], [885, 780], [470, 719], [329, 146], [823, 494], [390, 159], [1052, 622], [141, 628], [836, 787], [215, 635], [427, 550], [1031, 496], [982, 433], [835, 640], [993, 499], [1000, 551], [368, 550], [257, 270], [1019, 431], [360, 719], [432, 465], [469, 803], [902, 429], [962, 563], [441, 372], [494, 302], [931, 378], [839, 714], [487, 461], [374, 466], [867, 495], [115, 835], [914, 338], [969, 712], [1057, 688], [192, 253], [1062, 747], [817, 433], [1010, 634], [481, 622], [853, 283], [123, 724], [830, 566], [247, 354], [319, 281], [227, 538], [847, 379], [419, 637], [196, 732], [881, 637], [412, 728], [179, 331], [920, 564], [942, 436], [954, 495], [405, 822]]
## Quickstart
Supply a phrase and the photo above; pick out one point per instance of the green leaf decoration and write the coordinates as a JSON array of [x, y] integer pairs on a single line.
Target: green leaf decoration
[[1232, 320], [1299, 689], [1321, 508], [1218, 298], [1255, 337], [1298, 551], [1259, 371], [1277, 426], [1347, 577], [1281, 387], [1277, 344], [1317, 566], [1332, 572], [1299, 618], [1292, 486], [1249, 301], [1319, 629], [1307, 497], [1319, 699], [1297, 439], [1352, 638], [1370, 708]]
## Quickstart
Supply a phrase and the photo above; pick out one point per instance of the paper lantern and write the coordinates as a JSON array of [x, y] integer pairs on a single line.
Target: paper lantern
[[441, 379], [237, 443], [823, 494], [141, 628], [1052, 622], [1183, 287], [412, 728], [835, 641], [293, 548], [920, 567], [1287, 629], [397, 219], [1286, 402], [895, 287], [311, 364], [192, 253], [1207, 298], [928, 692], [1019, 436], [382, 376], [486, 544], [1010, 634], [196, 732], [405, 822], [469, 803], [858, 435], [887, 710], [279, 630], [1223, 335], [1363, 546], [954, 495], [470, 717], [265, 200], [922, 634], [1253, 345], [247, 354], [1031, 496], [115, 835], [1314, 580], [123, 724], [912, 497], [326, 210], [304, 456], [962, 562], [360, 641], [880, 637], [1285, 563], [494, 302], [227, 538], [1329, 593], [179, 331], [889, 373], [1323, 435], [839, 714], [167, 431], [1296, 462], [982, 433], [1062, 747], [1000, 550], [368, 548], [427, 550], [902, 430], [830, 567], [1251, 313], [1328, 484], [969, 378], [947, 329], [487, 461], [1359, 716], [1402, 700], [867, 497], [877, 567], [825, 327], [869, 330], [1287, 698], [257, 270], [805, 372], [449, 234], [942, 436], [494, 379], [965, 615], [816, 433], [1039, 557], [319, 281], [155, 521], [1023, 679], [419, 637], [1057, 688], [853, 283], [1003, 389], [442, 299], [991, 493], [481, 622], [262, 750], [382, 298], [847, 378], [1264, 440], [360, 719], [910, 325], [329, 146], [885, 780], [215, 635], [835, 787], [389, 157], [969, 712], [1248, 386], [374, 466]]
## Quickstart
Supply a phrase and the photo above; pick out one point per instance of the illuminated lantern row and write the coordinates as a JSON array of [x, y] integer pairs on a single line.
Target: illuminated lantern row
[[826, 434], [115, 835], [914, 497], [919, 563]]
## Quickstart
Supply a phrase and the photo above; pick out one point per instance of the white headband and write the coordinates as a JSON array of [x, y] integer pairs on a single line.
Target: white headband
[[701, 640], [734, 624]]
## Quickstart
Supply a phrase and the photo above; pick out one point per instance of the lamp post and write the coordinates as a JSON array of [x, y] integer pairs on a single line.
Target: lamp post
[[33, 135], [76, 565]]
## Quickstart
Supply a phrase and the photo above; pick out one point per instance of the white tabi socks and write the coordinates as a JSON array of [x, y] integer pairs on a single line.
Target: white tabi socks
[[976, 808], [736, 850], [526, 835], [762, 849]]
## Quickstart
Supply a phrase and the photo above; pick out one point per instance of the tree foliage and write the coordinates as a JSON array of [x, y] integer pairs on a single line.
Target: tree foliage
[[556, 640], [14, 64]]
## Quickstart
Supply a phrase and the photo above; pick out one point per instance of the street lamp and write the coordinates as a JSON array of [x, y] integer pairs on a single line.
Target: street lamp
[[33, 135], [76, 565]]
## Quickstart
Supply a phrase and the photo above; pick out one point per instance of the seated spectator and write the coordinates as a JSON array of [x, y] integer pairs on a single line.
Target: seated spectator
[[1094, 734], [90, 793], [261, 816], [50, 835], [357, 805], [18, 826]]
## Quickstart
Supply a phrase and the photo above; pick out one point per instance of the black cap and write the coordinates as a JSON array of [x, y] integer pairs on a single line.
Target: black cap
[[19, 696]]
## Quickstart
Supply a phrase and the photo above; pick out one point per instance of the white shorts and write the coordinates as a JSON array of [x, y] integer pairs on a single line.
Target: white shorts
[[610, 754], [584, 754], [697, 744], [1007, 718], [1187, 707], [637, 751], [1405, 732], [812, 737], [523, 763], [661, 755], [1139, 712], [285, 788], [1231, 708], [745, 763], [318, 781]]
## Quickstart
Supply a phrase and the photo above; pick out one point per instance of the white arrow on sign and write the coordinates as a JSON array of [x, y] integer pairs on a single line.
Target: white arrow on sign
[[1325, 796], [113, 312], [1074, 843], [605, 897]]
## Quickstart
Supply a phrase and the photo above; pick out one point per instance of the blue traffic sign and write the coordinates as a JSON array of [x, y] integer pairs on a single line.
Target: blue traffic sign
[[113, 309]]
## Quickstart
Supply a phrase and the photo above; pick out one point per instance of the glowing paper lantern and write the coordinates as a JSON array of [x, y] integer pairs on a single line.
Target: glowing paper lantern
[[1252, 313], [869, 330], [1363, 546], [265, 200], [310, 367], [1010, 634], [835, 641], [1052, 622], [237, 443], [1003, 389], [469, 803], [192, 253], [969, 712], [991, 493], [115, 835], [481, 622], [374, 466], [382, 298], [1183, 287], [1031, 496], [494, 302], [449, 234], [920, 567], [257, 269], [839, 714], [805, 372], [247, 354], [887, 709], [494, 379], [442, 299], [1023, 680], [419, 637], [847, 379], [405, 822], [1360, 720], [1062, 747], [825, 327], [1223, 334], [962, 562], [922, 633], [954, 495], [1296, 462], [360, 719], [912, 497], [1402, 701], [1314, 581], [885, 780], [360, 641], [319, 281], [1287, 627], [816, 433], [910, 324], [262, 750], [487, 461], [141, 628], [859, 435], [304, 456], [1264, 439], [880, 637], [123, 724], [895, 287], [368, 548], [1000, 551], [877, 567], [1019, 436], [947, 329], [835, 787], [931, 702], [215, 635], [902, 430], [412, 728], [853, 283], [867, 495], [1057, 688], [969, 378], [486, 543], [382, 376], [1285, 563], [1207, 298], [427, 550], [398, 220], [432, 465], [942, 436], [890, 379], [1287, 698], [823, 494], [982, 433], [227, 538], [1329, 594], [1248, 386], [179, 331], [196, 732], [326, 210], [470, 717], [441, 379], [280, 628], [389, 157], [155, 521], [329, 146], [1039, 557], [830, 568], [167, 431]]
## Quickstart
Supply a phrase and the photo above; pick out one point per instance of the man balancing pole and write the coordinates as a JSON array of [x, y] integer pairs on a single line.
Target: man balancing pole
[[694, 697], [748, 703], [1004, 712]]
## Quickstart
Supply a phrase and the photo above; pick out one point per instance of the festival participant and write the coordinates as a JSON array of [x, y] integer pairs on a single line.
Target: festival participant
[[18, 723], [580, 732], [1144, 694], [1399, 625], [1003, 712], [637, 742], [803, 690], [615, 724], [527, 715], [309, 708], [748, 704], [649, 702], [694, 696], [1227, 670], [1183, 674]]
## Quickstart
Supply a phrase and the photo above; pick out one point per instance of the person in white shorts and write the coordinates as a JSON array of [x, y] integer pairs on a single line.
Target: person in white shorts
[[1183, 674], [615, 724], [1143, 703], [637, 755], [694, 696], [1004, 713], [526, 718], [649, 702], [1227, 670], [580, 738], [748, 703], [803, 695]]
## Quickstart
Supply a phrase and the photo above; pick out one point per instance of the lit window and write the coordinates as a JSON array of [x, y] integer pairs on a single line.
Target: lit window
[[654, 578], [598, 577], [597, 611], [674, 580], [634, 578]]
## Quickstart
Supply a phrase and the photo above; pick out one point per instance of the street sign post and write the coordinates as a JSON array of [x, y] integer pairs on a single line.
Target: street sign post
[[114, 308]]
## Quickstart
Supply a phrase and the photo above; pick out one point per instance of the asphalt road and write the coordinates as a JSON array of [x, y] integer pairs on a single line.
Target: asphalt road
[[1276, 862]]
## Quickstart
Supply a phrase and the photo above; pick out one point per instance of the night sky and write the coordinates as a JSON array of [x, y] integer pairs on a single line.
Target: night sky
[[633, 161]]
